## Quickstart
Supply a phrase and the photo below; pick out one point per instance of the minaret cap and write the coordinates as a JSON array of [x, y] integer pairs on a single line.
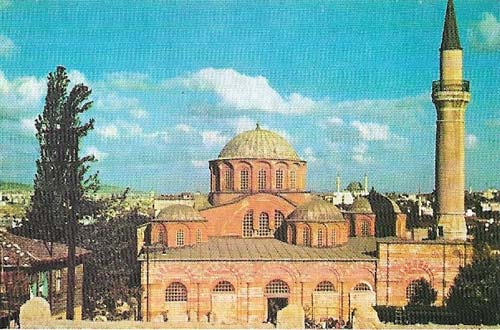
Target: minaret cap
[[450, 40]]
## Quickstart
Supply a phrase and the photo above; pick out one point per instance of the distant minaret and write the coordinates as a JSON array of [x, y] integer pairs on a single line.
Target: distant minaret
[[366, 183], [337, 183], [450, 95]]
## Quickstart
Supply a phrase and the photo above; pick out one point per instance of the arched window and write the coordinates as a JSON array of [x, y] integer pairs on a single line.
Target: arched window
[[162, 237], [198, 235], [365, 229], [334, 237], [262, 180], [278, 219], [306, 236], [320, 237], [293, 180], [248, 224], [179, 239], [244, 180], [229, 179], [279, 179], [362, 287], [223, 286], [411, 289], [325, 286], [277, 287], [264, 224], [176, 292]]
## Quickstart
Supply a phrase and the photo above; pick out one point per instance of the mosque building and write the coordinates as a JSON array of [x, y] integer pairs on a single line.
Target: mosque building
[[265, 242]]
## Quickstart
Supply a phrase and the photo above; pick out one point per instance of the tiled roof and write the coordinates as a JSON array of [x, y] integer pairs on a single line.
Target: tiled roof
[[266, 249], [26, 252], [316, 210], [258, 143], [179, 212]]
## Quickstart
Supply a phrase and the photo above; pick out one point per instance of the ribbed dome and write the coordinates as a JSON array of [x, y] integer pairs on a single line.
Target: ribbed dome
[[395, 206], [258, 143], [179, 212], [316, 210], [361, 205]]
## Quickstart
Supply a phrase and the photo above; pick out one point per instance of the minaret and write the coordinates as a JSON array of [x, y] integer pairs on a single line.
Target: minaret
[[450, 95], [337, 183], [366, 183]]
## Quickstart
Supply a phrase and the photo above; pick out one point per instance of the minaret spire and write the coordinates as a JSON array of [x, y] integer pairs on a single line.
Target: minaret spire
[[451, 39]]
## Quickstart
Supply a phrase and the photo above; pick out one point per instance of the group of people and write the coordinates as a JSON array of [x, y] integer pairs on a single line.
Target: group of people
[[329, 323]]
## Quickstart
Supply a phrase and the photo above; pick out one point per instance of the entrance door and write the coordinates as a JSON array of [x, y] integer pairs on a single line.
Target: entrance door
[[273, 306]]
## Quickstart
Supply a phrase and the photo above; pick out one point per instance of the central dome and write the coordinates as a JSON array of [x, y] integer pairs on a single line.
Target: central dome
[[258, 143]]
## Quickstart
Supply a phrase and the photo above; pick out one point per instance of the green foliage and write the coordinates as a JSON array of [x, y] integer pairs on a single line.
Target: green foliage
[[475, 294], [423, 294], [15, 187], [59, 181]]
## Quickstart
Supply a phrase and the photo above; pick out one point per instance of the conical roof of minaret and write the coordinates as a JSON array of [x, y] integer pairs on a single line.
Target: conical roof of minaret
[[450, 40]]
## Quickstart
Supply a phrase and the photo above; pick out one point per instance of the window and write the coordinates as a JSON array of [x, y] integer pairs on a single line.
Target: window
[[334, 237], [277, 286], [248, 224], [365, 229], [320, 237], [325, 286], [58, 280], [244, 180], [229, 179], [176, 292], [278, 219], [223, 286], [362, 287], [293, 180], [198, 235], [411, 289], [306, 236], [162, 237], [279, 179], [264, 225], [180, 237], [262, 180]]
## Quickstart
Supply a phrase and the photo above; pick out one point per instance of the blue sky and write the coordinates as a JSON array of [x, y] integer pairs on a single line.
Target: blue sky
[[346, 82]]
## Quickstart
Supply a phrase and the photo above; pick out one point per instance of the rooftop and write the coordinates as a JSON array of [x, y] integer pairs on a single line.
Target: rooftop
[[266, 249]]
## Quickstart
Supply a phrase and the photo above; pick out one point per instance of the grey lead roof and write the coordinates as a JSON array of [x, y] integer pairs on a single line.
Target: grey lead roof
[[266, 249]]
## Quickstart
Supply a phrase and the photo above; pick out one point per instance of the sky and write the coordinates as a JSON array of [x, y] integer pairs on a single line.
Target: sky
[[347, 83]]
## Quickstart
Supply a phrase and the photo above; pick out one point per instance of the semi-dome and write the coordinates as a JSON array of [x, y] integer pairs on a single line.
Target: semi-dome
[[316, 210], [179, 212], [258, 143], [361, 205]]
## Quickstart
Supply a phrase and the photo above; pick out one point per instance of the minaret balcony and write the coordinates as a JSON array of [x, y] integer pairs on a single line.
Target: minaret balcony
[[450, 86]]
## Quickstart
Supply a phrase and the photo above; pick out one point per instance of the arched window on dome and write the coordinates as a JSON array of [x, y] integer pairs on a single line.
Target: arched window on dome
[[244, 177], [179, 239], [264, 229], [248, 224], [306, 236], [365, 229], [279, 179], [320, 237], [293, 180], [262, 180], [229, 179]]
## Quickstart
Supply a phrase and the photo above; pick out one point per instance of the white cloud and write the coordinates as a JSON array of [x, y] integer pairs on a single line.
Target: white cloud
[[243, 124], [109, 132], [6, 44], [471, 141], [184, 128], [22, 94], [485, 35], [77, 77], [28, 125], [128, 80], [243, 92], [115, 102], [213, 138], [4, 4], [360, 154], [371, 131], [335, 121], [309, 155], [92, 150], [138, 113], [199, 163]]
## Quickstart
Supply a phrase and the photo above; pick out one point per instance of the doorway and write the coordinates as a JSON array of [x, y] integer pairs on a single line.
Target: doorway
[[273, 306]]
